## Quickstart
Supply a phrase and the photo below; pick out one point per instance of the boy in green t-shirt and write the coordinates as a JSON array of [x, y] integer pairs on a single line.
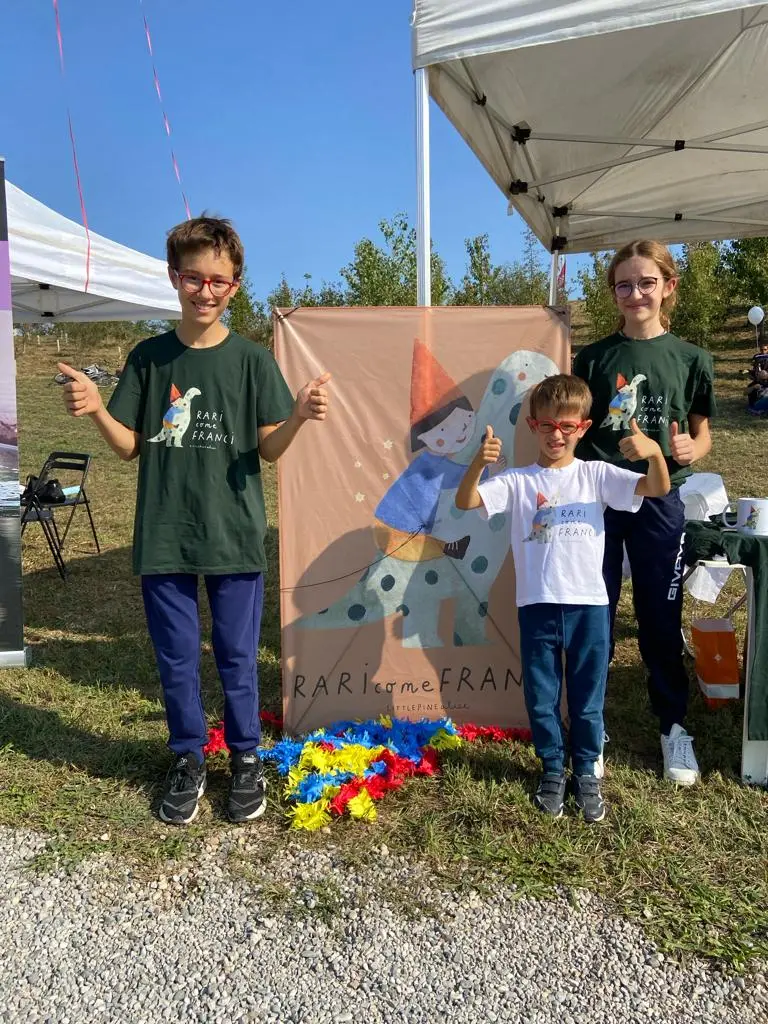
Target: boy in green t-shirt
[[201, 407]]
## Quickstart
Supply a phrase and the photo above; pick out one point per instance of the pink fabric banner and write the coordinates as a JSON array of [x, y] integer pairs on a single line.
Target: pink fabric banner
[[392, 600]]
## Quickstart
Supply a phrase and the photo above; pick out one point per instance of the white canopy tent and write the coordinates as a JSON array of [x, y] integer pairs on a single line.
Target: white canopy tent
[[48, 256], [603, 120]]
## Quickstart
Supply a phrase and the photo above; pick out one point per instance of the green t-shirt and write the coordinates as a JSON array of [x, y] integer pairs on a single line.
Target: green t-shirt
[[656, 381], [199, 501]]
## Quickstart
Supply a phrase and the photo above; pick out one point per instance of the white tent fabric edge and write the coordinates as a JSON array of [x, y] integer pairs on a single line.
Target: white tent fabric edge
[[445, 30], [48, 255]]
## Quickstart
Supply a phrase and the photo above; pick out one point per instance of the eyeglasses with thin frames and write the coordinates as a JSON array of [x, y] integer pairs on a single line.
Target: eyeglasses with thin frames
[[645, 285], [193, 283]]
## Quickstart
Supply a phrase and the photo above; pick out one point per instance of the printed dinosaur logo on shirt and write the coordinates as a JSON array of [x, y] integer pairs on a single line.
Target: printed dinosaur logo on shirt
[[623, 405], [177, 418], [543, 519], [649, 410], [208, 429]]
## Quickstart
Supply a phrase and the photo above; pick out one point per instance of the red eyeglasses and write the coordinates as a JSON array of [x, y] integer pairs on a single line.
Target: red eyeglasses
[[193, 283], [565, 427]]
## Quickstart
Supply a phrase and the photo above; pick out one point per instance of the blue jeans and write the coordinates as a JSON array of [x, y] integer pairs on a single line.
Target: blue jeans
[[236, 601], [580, 632]]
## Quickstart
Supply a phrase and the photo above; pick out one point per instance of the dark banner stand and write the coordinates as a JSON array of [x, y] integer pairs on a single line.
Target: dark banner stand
[[12, 653]]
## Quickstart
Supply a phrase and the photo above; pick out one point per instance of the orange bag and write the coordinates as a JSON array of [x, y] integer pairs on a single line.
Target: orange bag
[[716, 660]]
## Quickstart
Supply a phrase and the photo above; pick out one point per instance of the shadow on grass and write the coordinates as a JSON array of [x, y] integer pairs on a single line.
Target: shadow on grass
[[90, 628], [634, 730], [41, 734]]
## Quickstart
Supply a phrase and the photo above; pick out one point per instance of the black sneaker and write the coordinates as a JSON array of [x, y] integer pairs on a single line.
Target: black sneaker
[[550, 794], [186, 784], [589, 799], [247, 797]]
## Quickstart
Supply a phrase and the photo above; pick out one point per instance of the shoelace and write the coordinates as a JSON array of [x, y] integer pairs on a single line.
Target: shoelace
[[182, 777], [682, 751], [248, 768]]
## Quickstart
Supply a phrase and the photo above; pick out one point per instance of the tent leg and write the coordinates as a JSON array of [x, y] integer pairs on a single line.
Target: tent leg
[[553, 279], [423, 230], [553, 269]]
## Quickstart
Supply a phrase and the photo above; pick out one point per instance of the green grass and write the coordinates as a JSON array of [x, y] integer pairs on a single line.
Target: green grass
[[82, 737]]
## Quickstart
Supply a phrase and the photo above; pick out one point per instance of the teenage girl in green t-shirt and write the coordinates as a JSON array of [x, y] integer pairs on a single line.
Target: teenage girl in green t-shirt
[[643, 372]]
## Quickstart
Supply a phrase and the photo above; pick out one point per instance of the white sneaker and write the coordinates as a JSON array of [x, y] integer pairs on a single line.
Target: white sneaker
[[600, 762], [680, 764]]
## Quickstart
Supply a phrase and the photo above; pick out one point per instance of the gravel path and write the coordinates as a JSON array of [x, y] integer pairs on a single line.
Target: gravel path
[[100, 945]]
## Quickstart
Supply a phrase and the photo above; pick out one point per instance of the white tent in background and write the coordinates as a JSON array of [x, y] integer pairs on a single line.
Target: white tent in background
[[48, 271], [605, 120]]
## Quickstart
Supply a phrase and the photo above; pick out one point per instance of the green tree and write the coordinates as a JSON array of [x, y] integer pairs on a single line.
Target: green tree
[[599, 307], [746, 261], [241, 314], [286, 297], [282, 297], [535, 275], [483, 283], [703, 293], [518, 284], [385, 275]]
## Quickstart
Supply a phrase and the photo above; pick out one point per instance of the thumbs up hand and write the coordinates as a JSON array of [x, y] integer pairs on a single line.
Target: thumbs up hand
[[81, 396], [312, 400], [681, 445], [637, 446], [490, 450]]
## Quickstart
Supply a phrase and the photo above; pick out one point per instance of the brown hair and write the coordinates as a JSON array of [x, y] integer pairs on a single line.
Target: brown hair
[[193, 236], [562, 391], [662, 257]]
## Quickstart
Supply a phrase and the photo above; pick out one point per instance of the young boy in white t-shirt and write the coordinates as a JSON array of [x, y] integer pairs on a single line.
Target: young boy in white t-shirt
[[556, 513]]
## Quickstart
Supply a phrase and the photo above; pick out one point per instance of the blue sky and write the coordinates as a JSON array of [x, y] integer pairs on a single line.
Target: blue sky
[[294, 119]]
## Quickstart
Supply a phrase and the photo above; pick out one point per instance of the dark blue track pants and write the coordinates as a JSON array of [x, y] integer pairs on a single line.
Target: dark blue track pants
[[236, 604], [654, 539]]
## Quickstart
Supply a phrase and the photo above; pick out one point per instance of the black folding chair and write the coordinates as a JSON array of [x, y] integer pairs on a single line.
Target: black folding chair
[[33, 511], [37, 509]]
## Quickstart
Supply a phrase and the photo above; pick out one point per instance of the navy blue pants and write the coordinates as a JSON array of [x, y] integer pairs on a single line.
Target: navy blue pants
[[580, 632], [236, 601], [654, 539]]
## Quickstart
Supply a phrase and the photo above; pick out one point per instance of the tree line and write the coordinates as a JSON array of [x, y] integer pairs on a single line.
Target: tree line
[[382, 272]]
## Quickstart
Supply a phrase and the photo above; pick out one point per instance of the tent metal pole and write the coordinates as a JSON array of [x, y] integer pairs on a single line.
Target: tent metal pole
[[553, 280], [554, 267], [423, 229]]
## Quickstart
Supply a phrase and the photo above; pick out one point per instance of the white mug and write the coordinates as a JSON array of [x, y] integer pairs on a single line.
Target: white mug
[[750, 516]]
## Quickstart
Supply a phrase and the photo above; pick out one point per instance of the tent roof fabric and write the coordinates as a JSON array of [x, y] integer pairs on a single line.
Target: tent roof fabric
[[604, 121], [48, 271]]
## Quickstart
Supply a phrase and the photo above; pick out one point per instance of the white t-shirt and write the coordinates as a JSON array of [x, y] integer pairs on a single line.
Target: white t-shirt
[[556, 526]]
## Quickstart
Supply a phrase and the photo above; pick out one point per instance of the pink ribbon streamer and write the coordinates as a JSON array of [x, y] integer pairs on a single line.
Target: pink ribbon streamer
[[80, 193], [166, 122]]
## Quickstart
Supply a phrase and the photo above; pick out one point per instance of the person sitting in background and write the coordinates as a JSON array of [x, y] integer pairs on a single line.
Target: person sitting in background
[[757, 389]]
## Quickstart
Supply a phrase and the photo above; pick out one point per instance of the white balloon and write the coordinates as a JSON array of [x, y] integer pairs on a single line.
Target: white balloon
[[755, 316]]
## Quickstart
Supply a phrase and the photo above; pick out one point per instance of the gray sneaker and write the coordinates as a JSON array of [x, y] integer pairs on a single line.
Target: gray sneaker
[[680, 764], [550, 794], [589, 799]]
